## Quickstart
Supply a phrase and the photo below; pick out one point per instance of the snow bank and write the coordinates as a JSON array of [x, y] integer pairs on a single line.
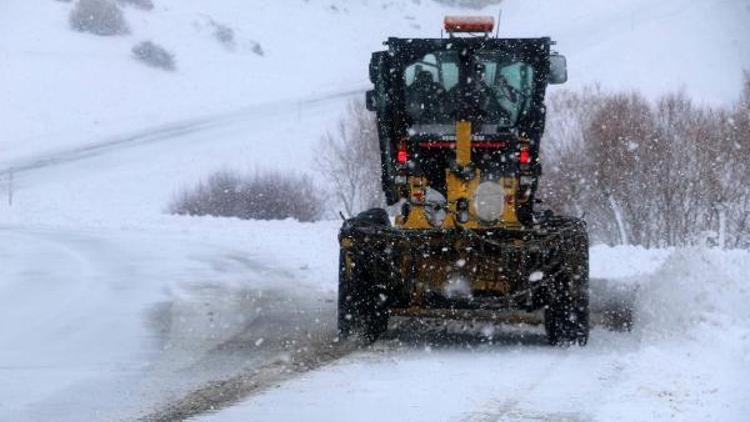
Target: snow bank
[[696, 292], [671, 293], [616, 274]]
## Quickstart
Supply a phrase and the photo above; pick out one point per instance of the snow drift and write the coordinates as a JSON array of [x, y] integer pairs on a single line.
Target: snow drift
[[701, 293]]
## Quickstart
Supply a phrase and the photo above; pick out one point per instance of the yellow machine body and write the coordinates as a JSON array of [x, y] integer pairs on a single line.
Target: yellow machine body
[[458, 188]]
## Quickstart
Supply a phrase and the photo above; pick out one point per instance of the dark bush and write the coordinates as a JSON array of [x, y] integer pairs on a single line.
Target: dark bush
[[656, 174], [270, 195], [100, 17], [223, 34], [256, 48], [154, 55], [349, 158]]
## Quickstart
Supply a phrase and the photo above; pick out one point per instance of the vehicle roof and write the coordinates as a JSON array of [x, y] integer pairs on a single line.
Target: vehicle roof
[[396, 41], [403, 50]]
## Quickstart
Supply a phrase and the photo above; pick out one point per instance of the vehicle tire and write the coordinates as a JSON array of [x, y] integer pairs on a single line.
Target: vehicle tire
[[566, 317]]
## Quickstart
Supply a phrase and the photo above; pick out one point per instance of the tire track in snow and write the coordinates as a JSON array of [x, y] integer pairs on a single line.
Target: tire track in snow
[[235, 342], [403, 334], [563, 378], [508, 408], [224, 393], [69, 288]]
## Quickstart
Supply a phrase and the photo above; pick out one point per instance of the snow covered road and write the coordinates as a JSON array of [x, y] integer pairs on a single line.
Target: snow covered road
[[175, 130], [109, 324], [180, 317], [111, 310], [60, 290], [686, 359]]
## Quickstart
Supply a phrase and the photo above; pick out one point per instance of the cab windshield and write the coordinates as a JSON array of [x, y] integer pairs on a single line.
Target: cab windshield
[[488, 87]]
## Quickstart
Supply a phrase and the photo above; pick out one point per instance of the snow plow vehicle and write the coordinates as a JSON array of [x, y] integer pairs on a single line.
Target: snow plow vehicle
[[459, 122]]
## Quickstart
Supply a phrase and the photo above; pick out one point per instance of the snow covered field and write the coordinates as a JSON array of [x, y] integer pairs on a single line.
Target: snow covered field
[[111, 309]]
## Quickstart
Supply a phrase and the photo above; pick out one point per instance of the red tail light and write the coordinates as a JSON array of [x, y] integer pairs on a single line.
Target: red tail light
[[417, 196], [524, 157], [402, 155]]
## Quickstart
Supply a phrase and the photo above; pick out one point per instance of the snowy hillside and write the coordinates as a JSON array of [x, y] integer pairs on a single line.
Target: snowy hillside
[[312, 48], [111, 309]]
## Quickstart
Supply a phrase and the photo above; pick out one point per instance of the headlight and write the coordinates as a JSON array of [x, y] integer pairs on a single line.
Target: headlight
[[489, 201], [434, 207]]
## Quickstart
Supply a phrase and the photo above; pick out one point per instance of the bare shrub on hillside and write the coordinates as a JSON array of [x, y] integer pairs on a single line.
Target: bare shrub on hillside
[[567, 170], [349, 157], [100, 17], [657, 174], [224, 34], [736, 143], [269, 195], [256, 48], [154, 55], [623, 128]]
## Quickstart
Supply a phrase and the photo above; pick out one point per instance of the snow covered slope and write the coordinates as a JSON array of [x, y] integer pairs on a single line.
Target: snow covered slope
[[60, 88]]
